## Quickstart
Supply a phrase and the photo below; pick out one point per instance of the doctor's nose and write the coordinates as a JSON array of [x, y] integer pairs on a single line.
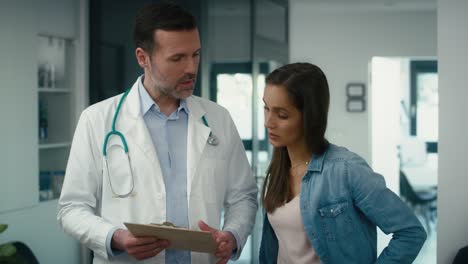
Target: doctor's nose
[[192, 65]]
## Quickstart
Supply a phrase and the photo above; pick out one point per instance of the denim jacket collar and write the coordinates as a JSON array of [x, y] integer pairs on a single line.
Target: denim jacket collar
[[316, 164]]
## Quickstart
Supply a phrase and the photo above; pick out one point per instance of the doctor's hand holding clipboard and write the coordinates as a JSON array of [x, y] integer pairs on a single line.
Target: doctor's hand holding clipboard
[[225, 241], [138, 247]]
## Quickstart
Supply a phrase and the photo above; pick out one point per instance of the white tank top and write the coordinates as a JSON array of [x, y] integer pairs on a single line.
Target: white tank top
[[294, 246]]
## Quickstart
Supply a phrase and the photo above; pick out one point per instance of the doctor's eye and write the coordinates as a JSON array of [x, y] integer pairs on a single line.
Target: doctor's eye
[[176, 58]]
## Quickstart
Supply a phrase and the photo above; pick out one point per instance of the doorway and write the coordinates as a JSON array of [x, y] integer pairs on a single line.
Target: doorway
[[404, 136]]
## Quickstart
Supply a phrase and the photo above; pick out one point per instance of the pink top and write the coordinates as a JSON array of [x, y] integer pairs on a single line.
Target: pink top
[[294, 246]]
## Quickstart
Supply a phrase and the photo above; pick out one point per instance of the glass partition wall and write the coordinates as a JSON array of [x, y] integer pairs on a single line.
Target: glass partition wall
[[247, 39]]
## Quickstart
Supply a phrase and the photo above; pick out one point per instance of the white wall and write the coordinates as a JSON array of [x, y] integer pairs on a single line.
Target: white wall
[[384, 118], [453, 127], [342, 42], [18, 136], [37, 227]]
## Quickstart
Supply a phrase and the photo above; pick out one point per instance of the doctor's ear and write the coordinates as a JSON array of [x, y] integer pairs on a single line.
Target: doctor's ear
[[142, 57]]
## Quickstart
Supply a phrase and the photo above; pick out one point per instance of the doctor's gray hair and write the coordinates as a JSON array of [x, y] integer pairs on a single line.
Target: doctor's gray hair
[[167, 16], [307, 87]]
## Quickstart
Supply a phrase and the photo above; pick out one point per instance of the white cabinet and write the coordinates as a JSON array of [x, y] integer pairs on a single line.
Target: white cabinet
[[33, 32], [22, 156]]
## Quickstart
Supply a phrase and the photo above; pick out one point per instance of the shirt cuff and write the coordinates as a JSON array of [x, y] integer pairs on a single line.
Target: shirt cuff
[[236, 252], [111, 253]]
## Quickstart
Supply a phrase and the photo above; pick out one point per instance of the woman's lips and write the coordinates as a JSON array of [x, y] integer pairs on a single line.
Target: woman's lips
[[273, 136]]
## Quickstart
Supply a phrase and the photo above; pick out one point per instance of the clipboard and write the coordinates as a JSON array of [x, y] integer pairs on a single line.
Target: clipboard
[[179, 237]]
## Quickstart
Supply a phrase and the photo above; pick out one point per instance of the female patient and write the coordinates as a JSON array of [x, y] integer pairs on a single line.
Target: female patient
[[323, 202]]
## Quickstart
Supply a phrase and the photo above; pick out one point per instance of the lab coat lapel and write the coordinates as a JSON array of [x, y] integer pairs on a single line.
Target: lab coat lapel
[[131, 123], [197, 136]]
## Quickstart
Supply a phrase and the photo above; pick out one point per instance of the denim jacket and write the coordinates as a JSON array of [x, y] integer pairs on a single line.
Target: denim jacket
[[342, 201]]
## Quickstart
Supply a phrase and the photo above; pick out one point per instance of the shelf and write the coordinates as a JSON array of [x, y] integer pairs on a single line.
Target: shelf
[[52, 35], [54, 145], [52, 201], [54, 90]]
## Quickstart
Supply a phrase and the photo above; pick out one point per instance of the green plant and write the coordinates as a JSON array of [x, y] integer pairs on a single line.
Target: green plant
[[7, 251]]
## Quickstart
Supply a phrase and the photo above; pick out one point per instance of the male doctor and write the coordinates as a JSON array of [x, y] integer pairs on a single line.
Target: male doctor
[[185, 164]]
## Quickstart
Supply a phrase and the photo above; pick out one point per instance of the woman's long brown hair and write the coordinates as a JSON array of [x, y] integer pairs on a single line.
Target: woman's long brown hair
[[307, 86]]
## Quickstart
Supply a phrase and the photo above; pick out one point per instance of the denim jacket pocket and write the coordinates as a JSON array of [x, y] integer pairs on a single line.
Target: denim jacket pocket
[[333, 210], [336, 221]]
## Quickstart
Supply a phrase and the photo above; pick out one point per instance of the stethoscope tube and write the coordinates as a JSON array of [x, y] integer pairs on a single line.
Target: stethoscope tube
[[125, 148], [212, 140], [113, 131]]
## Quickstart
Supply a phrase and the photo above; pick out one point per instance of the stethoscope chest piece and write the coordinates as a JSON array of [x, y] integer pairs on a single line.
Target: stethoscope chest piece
[[213, 140]]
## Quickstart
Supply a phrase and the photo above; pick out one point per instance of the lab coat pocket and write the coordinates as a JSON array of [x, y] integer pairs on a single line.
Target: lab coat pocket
[[212, 180], [336, 220]]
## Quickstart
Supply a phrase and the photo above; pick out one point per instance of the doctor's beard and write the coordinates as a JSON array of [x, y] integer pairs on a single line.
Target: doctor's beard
[[167, 91]]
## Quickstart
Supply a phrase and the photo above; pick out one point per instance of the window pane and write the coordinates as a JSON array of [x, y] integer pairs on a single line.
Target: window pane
[[260, 115], [235, 94]]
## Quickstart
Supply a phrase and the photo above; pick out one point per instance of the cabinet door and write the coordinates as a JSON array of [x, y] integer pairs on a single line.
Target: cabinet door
[[18, 105], [58, 17]]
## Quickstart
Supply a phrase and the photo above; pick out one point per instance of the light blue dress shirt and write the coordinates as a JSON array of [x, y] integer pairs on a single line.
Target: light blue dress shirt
[[169, 135]]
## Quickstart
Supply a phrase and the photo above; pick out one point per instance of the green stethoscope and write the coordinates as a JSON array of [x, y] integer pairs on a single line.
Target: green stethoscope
[[212, 140]]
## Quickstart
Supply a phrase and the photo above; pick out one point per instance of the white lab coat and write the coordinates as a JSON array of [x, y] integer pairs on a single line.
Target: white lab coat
[[217, 177]]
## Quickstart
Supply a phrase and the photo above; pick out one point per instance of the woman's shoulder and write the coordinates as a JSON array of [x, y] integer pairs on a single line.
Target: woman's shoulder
[[335, 153], [340, 157], [344, 163]]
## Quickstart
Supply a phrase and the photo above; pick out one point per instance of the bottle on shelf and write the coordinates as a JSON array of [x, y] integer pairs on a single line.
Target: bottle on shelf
[[46, 75], [43, 124]]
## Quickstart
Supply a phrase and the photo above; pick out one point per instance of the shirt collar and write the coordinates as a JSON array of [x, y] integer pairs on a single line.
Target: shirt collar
[[147, 102]]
